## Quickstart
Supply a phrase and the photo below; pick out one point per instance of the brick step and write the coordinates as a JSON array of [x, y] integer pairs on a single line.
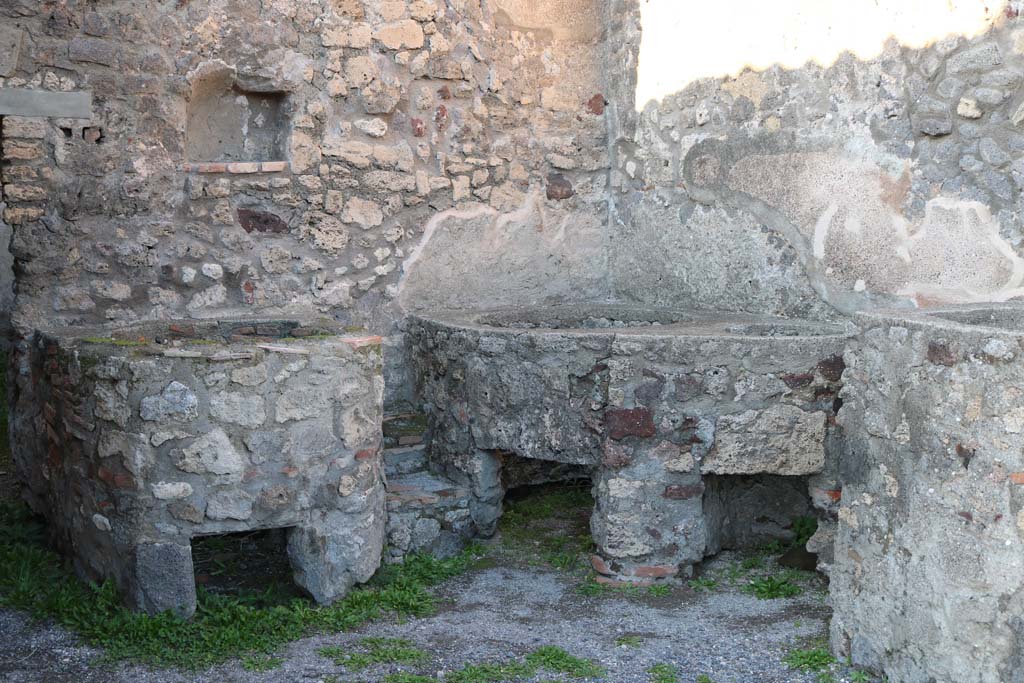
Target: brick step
[[421, 490], [402, 461], [426, 513]]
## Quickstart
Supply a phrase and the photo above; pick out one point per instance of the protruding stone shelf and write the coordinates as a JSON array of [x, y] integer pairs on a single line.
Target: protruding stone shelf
[[237, 167], [135, 440]]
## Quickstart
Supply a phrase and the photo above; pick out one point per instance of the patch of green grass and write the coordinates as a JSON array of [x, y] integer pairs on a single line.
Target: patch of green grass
[[704, 678], [551, 525], [703, 583], [490, 673], [547, 658], [403, 677], [261, 663], [659, 590], [772, 587], [375, 651], [663, 673], [591, 588], [5, 445], [34, 579], [115, 342], [813, 660], [629, 641], [860, 677], [737, 571], [752, 563], [557, 660]]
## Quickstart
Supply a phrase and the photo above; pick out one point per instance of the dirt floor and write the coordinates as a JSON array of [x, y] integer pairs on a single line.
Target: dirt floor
[[533, 589]]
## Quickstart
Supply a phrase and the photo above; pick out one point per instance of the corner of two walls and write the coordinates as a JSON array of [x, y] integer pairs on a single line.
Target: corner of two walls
[[471, 155], [439, 153]]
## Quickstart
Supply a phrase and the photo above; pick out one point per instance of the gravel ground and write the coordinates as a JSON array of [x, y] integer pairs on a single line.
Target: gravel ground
[[498, 613]]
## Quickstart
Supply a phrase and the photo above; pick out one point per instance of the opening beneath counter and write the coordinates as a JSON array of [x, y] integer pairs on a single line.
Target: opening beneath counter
[[251, 565]]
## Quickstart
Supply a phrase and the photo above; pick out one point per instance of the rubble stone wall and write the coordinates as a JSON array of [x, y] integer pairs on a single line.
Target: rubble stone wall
[[133, 445], [882, 169], [425, 152]]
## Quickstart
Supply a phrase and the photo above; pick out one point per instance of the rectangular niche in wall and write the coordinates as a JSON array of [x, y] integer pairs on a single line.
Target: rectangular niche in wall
[[228, 123]]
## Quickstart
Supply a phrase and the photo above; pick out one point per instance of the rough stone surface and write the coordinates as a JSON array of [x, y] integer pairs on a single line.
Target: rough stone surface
[[186, 456], [928, 571], [645, 402], [426, 513], [357, 161], [175, 402], [220, 175], [778, 440], [163, 578]]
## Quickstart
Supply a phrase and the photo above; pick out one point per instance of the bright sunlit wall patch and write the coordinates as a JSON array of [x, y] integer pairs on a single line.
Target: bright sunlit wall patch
[[685, 40]]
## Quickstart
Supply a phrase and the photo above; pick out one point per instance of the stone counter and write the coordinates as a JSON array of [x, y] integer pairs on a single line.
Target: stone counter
[[928, 581], [668, 412], [133, 441]]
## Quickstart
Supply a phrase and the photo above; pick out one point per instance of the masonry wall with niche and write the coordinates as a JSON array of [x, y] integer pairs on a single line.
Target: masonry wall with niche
[[231, 121]]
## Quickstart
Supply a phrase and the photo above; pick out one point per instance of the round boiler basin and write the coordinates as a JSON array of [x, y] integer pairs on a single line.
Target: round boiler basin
[[1008, 317], [588, 317], [614, 319]]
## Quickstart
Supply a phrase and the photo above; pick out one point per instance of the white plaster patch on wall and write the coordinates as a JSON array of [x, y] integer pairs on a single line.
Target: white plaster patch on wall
[[431, 227], [685, 41], [476, 256], [955, 254], [821, 228], [849, 207], [952, 232]]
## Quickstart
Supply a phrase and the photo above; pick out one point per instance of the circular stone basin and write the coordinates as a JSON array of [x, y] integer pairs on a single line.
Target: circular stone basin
[[1009, 317], [622, 319], [596, 317], [649, 400], [800, 329]]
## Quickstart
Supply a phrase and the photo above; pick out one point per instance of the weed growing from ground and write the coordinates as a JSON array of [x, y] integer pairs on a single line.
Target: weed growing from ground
[[803, 529], [859, 677], [375, 651], [704, 583], [34, 579], [771, 587], [663, 673], [547, 658], [592, 589], [704, 678], [557, 660], [408, 678], [489, 673], [659, 590], [815, 660], [628, 641]]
